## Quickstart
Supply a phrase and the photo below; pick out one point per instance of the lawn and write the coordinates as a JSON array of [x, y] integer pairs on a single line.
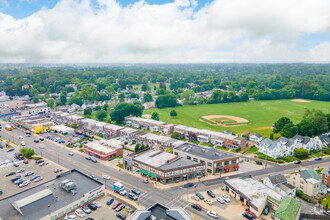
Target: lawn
[[326, 200], [261, 114], [252, 150]]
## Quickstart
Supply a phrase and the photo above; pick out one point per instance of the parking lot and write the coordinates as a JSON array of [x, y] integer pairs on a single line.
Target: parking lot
[[105, 212], [7, 158], [9, 188]]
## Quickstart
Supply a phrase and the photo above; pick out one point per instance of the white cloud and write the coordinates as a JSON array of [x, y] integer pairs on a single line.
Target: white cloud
[[221, 31]]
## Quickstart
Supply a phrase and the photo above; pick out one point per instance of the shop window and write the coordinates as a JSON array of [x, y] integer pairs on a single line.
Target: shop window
[[218, 164], [195, 159], [233, 161], [209, 170], [152, 170], [189, 157], [202, 161], [226, 162], [209, 164]]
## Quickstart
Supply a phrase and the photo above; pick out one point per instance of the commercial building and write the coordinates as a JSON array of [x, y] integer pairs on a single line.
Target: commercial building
[[64, 130], [308, 181], [53, 199], [159, 211], [34, 123], [216, 162], [104, 149], [253, 194], [163, 167]]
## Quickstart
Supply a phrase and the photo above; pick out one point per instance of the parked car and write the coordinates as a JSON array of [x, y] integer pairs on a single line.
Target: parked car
[[225, 197], [318, 158], [15, 165], [132, 196], [10, 173], [212, 214], [94, 177], [94, 160], [21, 170], [25, 183], [266, 210], [86, 209], [39, 161], [196, 206], [11, 149], [20, 137], [98, 204], [311, 160], [58, 170], [88, 158], [188, 185], [116, 205], [92, 206], [23, 143], [200, 196], [41, 139], [70, 217], [15, 178], [1, 192], [25, 161], [253, 215], [247, 215], [38, 179], [71, 154], [220, 200], [28, 173], [18, 182], [207, 201], [42, 146], [43, 164], [195, 198], [210, 193], [297, 162], [35, 177], [121, 215], [136, 191], [110, 201], [80, 213], [144, 180], [326, 212], [119, 208], [36, 141]]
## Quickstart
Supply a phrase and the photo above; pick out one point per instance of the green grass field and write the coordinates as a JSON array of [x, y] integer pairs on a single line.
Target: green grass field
[[261, 114]]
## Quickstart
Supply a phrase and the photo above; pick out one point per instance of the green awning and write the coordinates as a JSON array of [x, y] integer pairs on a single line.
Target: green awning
[[147, 173]]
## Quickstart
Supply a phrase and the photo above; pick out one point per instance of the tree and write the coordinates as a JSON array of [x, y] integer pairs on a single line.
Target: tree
[[121, 96], [147, 97], [155, 116], [109, 91], [51, 103], [176, 135], [125, 109], [173, 113], [189, 97], [89, 93], [168, 100], [137, 148], [101, 115], [243, 96], [271, 136], [27, 152], [97, 108], [69, 89], [63, 99], [105, 107], [300, 153], [35, 99], [145, 87], [122, 83], [281, 123], [162, 85], [87, 111]]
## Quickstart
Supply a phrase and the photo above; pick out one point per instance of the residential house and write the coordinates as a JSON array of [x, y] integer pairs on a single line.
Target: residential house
[[308, 181], [326, 176], [322, 140], [279, 183], [289, 209], [256, 137], [306, 143]]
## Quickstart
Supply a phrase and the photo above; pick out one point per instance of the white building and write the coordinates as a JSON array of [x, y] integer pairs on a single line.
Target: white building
[[280, 185], [256, 137]]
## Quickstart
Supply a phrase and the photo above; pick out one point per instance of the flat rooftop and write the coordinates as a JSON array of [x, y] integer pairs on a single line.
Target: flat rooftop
[[204, 152], [106, 146], [256, 191], [57, 198], [155, 158], [179, 163]]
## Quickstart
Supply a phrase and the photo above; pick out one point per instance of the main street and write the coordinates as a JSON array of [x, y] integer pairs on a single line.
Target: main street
[[170, 197]]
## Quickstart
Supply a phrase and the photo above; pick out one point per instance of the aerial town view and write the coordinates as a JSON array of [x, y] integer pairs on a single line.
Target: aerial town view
[[164, 110]]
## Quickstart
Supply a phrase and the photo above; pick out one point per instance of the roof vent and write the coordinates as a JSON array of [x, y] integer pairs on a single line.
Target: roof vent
[[179, 164], [48, 205]]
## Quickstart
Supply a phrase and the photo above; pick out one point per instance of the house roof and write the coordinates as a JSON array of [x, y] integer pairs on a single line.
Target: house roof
[[257, 135], [326, 170], [288, 209], [276, 179], [307, 173], [155, 158], [324, 139], [178, 163], [301, 139]]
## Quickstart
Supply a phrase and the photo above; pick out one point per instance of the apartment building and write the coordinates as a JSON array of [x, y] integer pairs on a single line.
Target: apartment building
[[216, 162]]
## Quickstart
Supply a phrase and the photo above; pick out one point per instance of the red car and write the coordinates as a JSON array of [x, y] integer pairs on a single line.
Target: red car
[[116, 205], [248, 211], [25, 161], [196, 206]]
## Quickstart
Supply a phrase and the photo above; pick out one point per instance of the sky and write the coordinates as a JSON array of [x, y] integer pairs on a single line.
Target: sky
[[164, 31]]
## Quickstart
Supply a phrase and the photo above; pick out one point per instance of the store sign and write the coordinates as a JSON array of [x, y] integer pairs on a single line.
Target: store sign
[[127, 159]]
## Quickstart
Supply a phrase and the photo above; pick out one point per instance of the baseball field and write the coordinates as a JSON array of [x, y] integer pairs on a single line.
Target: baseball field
[[252, 116]]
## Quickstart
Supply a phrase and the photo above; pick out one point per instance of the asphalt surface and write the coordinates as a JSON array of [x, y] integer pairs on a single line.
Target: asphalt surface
[[150, 195]]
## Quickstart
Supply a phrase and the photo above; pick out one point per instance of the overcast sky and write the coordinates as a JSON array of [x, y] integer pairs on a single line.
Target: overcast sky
[[181, 31]]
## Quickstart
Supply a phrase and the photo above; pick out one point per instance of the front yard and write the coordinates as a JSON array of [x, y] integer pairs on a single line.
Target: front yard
[[326, 201]]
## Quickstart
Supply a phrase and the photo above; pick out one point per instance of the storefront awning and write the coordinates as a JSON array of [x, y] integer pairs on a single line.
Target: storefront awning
[[147, 173], [103, 156], [226, 168], [236, 166]]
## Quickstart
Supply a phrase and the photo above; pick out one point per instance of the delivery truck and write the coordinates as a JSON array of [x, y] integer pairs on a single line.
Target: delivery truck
[[119, 188]]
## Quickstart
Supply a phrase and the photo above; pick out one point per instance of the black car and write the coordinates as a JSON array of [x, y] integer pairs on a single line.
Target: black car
[[89, 218], [12, 149], [188, 185], [15, 178], [110, 201], [247, 215], [10, 174], [92, 206], [36, 141], [41, 139], [297, 162], [210, 193], [196, 206], [318, 158], [136, 191], [121, 215]]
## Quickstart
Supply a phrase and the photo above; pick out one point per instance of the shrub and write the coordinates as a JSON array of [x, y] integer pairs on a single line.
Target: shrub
[[81, 150], [27, 152]]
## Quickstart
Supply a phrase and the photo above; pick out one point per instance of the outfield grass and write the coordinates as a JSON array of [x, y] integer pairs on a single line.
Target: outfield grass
[[261, 114]]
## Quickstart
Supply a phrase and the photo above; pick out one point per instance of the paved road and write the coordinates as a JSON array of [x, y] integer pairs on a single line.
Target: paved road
[[150, 195]]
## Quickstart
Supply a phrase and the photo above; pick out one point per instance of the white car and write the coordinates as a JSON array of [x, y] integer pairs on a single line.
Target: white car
[[20, 170], [42, 146], [29, 173], [207, 201], [225, 197], [98, 204], [195, 198], [123, 192], [212, 214], [23, 143], [311, 160], [25, 183], [80, 213], [38, 179], [219, 199], [106, 177], [71, 154], [70, 217], [20, 137]]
